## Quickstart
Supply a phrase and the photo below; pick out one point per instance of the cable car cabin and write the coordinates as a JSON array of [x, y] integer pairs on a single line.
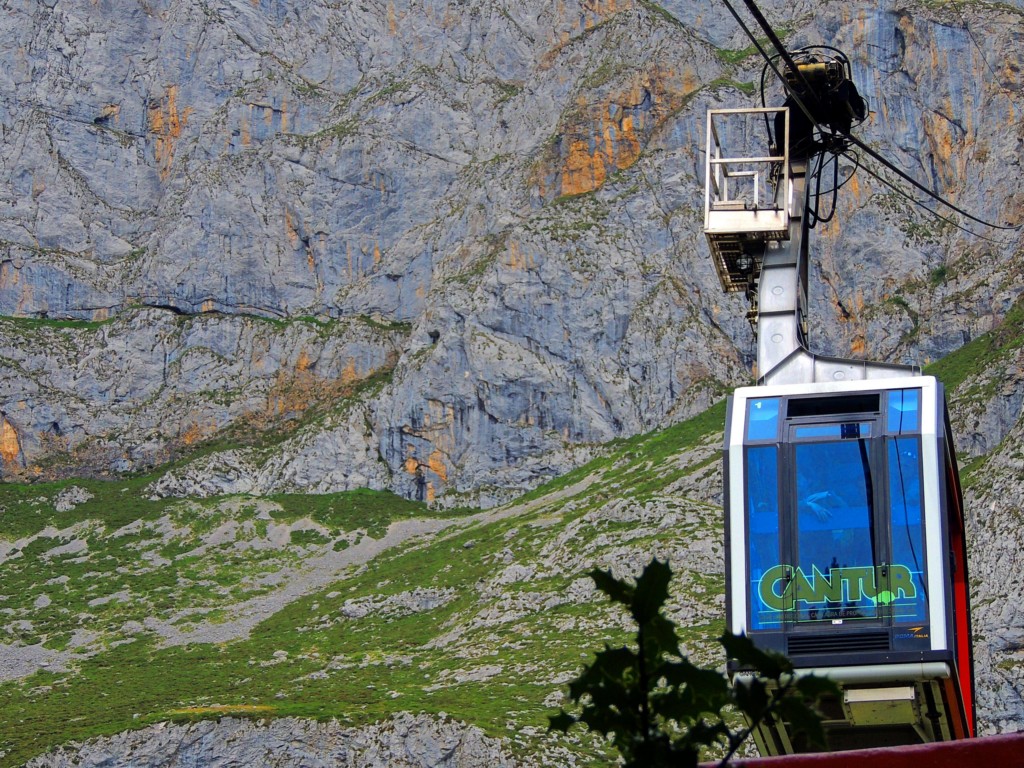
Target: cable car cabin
[[845, 551]]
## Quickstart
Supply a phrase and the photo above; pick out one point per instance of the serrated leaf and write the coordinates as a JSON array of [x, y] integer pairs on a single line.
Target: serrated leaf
[[619, 591], [660, 639], [752, 698], [614, 663], [802, 719], [563, 721], [815, 686], [767, 664], [668, 717], [651, 591]]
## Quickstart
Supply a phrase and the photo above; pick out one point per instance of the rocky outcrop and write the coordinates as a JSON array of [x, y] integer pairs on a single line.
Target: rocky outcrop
[[510, 195], [404, 741], [995, 508], [136, 390]]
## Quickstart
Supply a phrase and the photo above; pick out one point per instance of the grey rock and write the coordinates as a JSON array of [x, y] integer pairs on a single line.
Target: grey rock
[[71, 497], [995, 567], [404, 741], [521, 185], [418, 600]]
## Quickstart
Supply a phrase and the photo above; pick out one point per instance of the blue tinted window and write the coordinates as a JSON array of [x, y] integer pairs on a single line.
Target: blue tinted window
[[909, 603], [904, 411], [834, 575], [763, 419], [762, 504]]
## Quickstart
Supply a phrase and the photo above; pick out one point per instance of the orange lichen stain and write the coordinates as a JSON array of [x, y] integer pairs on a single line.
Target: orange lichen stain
[[111, 112], [606, 7], [38, 186], [582, 170], [290, 231], [350, 374], [858, 347], [436, 465], [207, 306], [25, 299], [854, 184], [243, 129], [101, 314], [303, 363], [197, 432], [412, 464], [284, 115], [629, 144], [948, 149], [430, 493], [517, 259], [690, 80], [608, 137], [392, 19], [10, 445], [166, 122], [1010, 75], [376, 252], [859, 29]]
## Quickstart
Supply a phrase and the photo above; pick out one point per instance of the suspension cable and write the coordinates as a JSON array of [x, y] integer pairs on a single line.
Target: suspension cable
[[788, 59], [915, 201]]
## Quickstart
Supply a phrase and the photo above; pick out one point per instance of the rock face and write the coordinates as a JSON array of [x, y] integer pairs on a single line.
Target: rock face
[[248, 207], [404, 741], [994, 518]]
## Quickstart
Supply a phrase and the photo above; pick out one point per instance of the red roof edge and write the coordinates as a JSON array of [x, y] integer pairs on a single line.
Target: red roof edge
[[988, 752]]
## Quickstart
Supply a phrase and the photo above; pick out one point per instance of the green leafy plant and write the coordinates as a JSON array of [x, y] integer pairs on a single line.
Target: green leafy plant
[[659, 709]]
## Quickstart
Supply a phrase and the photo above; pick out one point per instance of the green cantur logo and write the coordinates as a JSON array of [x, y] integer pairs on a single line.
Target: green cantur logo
[[782, 586]]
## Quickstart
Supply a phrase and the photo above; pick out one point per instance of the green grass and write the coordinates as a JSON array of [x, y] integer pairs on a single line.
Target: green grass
[[736, 56], [35, 323], [371, 511], [27, 509], [746, 88], [516, 635], [140, 678], [517, 638], [982, 353], [635, 456], [169, 558]]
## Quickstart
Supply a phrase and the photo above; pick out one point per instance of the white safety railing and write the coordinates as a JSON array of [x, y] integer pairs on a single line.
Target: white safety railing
[[748, 193]]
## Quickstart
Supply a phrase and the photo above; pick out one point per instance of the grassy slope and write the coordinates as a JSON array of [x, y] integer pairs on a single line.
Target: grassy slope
[[510, 619], [512, 611]]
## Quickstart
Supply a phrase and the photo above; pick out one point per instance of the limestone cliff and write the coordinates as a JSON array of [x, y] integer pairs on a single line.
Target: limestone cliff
[[220, 210]]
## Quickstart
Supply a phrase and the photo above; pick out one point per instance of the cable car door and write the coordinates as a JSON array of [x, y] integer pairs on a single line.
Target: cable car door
[[836, 540]]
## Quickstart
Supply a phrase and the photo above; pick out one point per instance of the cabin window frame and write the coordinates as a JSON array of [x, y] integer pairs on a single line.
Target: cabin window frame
[[815, 423]]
